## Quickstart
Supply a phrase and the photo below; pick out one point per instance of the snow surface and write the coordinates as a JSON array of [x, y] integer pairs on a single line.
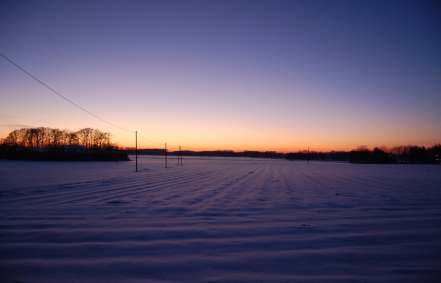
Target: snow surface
[[219, 220]]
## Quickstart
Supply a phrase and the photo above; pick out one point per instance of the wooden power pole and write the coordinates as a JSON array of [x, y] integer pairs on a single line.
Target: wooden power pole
[[136, 150], [165, 151], [309, 156], [178, 160]]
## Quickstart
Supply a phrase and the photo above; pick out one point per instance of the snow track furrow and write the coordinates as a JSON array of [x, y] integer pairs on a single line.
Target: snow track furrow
[[222, 220]]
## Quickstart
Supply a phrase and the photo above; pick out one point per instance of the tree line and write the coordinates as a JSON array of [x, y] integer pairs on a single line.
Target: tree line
[[401, 154], [54, 144], [93, 144], [210, 153], [43, 137]]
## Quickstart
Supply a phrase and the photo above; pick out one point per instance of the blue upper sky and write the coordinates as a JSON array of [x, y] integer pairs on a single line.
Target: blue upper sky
[[229, 74]]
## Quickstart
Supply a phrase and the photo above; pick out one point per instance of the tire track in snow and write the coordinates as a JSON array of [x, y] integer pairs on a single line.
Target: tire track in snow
[[300, 232]]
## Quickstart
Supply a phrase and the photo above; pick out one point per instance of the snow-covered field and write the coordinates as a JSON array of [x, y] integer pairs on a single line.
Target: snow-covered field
[[219, 220]]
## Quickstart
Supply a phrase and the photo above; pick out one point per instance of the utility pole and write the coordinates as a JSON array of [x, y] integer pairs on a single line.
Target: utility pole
[[177, 156], [308, 155], [180, 156], [136, 149], [165, 151]]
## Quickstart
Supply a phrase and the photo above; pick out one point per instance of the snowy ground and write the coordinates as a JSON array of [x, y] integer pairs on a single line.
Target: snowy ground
[[219, 220]]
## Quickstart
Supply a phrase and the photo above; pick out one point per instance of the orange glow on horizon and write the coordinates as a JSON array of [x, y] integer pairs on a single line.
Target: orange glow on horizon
[[173, 144], [197, 139]]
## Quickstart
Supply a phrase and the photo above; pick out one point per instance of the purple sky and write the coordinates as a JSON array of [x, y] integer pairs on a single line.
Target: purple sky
[[278, 75]]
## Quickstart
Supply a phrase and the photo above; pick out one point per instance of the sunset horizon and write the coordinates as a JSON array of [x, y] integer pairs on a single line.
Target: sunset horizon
[[266, 80], [283, 147], [188, 141]]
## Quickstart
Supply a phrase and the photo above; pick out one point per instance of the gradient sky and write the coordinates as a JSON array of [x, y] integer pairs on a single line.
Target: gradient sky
[[265, 75]]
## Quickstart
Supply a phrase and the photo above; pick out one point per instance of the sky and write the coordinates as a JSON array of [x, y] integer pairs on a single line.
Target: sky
[[254, 75]]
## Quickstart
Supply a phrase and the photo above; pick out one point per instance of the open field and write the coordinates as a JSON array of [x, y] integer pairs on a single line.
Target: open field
[[219, 220]]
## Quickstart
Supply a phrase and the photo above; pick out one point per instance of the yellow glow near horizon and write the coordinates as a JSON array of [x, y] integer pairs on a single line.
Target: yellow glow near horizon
[[213, 134], [260, 81]]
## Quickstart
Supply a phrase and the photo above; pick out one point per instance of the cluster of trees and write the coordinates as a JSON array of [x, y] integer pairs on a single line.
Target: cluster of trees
[[55, 144], [402, 154], [92, 144], [215, 153], [39, 138], [314, 155]]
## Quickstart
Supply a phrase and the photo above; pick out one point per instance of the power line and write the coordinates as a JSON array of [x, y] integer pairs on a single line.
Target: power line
[[57, 93], [52, 90]]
